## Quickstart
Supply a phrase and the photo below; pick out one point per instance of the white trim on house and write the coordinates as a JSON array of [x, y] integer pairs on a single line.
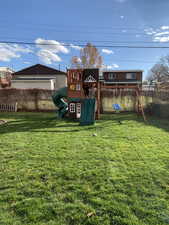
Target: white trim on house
[[52, 83], [35, 76], [29, 84], [123, 71], [29, 81], [123, 82]]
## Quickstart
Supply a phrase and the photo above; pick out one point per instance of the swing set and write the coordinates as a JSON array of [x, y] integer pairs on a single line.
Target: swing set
[[136, 91], [83, 94]]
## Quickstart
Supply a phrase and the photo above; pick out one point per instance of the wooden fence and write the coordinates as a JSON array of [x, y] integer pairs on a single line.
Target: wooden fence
[[41, 99]]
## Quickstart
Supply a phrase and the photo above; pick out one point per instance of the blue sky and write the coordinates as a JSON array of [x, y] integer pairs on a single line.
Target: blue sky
[[69, 24]]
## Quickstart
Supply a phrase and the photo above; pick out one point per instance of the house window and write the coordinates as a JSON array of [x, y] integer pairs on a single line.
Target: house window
[[111, 76], [77, 87], [131, 76], [72, 107], [75, 76]]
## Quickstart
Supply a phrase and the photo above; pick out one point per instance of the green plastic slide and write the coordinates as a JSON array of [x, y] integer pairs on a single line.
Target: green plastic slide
[[59, 102]]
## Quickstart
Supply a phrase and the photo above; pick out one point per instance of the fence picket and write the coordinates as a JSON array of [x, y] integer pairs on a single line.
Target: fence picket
[[8, 107]]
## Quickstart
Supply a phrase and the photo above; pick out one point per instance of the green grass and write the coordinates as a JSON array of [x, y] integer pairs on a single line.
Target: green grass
[[55, 172]]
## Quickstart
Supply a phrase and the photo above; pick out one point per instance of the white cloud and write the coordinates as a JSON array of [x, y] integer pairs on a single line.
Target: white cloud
[[48, 50], [124, 31], [19, 48], [26, 62], [110, 67], [164, 27], [150, 31], [103, 66], [51, 45], [107, 51], [6, 55], [161, 33], [9, 51], [158, 34], [138, 35], [75, 47], [120, 1], [48, 57], [161, 39], [122, 17]]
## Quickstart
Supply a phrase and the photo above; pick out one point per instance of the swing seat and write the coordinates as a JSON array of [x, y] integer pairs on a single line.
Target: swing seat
[[116, 107]]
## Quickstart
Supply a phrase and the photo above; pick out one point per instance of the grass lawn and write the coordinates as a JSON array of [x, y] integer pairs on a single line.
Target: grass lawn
[[55, 172]]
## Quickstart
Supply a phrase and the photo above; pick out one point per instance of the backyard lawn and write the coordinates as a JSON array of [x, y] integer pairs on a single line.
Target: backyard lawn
[[55, 172]]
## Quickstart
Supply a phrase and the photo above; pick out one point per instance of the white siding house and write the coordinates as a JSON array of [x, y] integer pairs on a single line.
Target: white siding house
[[39, 76]]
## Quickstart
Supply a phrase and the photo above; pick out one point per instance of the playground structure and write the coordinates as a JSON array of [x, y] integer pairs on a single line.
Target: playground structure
[[58, 99], [83, 86], [83, 96]]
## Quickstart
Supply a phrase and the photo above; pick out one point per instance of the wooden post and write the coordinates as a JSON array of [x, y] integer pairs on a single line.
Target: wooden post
[[98, 101], [140, 106]]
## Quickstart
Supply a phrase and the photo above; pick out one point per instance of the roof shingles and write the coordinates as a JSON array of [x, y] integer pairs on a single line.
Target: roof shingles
[[39, 69]]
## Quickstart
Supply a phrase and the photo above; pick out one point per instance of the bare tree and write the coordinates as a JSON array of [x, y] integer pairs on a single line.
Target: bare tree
[[89, 58], [5, 79], [76, 62], [160, 71]]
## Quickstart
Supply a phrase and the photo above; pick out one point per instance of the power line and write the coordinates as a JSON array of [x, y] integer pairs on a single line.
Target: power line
[[132, 60], [117, 42], [82, 26], [121, 30], [101, 32], [83, 45], [95, 41]]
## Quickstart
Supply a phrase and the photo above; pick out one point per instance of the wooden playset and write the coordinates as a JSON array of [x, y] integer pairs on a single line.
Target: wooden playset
[[82, 84], [83, 94]]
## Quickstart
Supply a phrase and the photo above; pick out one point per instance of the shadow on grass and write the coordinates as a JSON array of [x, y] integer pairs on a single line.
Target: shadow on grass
[[63, 131], [43, 122], [150, 120], [39, 123]]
